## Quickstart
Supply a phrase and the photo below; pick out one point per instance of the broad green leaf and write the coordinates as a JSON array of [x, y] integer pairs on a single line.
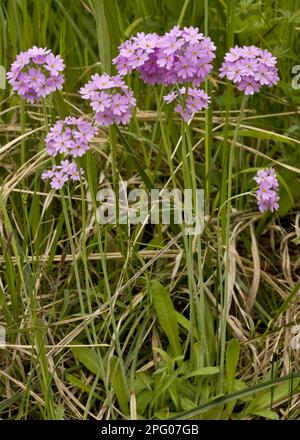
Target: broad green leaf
[[80, 385], [60, 411], [142, 381], [76, 28], [267, 414], [265, 398], [232, 359], [118, 384], [60, 105], [185, 323], [143, 399], [164, 385], [187, 404], [205, 371], [87, 357], [250, 391], [166, 315], [114, 19], [103, 37]]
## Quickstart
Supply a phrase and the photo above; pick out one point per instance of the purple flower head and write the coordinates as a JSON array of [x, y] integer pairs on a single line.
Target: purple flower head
[[36, 73], [110, 98], [70, 136], [250, 68], [188, 103], [179, 56], [267, 193], [60, 174]]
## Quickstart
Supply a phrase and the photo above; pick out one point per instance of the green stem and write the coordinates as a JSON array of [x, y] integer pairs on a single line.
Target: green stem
[[45, 114], [182, 13], [225, 145], [189, 183], [23, 122], [224, 297], [198, 288], [208, 127]]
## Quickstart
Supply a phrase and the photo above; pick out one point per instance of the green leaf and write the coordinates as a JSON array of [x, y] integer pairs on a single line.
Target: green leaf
[[187, 404], [144, 398], [264, 134], [147, 181], [80, 385], [130, 29], [118, 385], [60, 105], [164, 385], [8, 403], [264, 399], [286, 197], [103, 37], [87, 357], [185, 323], [250, 391], [267, 414], [166, 315], [205, 371], [77, 30], [232, 359]]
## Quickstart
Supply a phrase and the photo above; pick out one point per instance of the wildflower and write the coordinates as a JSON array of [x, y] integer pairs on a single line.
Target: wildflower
[[70, 136], [267, 193], [170, 97], [250, 67], [188, 103], [54, 64], [60, 174], [192, 35], [36, 73], [100, 101], [176, 57], [110, 98]]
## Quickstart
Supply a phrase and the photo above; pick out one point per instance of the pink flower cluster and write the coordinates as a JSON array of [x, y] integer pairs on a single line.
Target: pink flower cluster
[[69, 137], [250, 67], [60, 174], [181, 55], [110, 98], [36, 73], [190, 101], [267, 193]]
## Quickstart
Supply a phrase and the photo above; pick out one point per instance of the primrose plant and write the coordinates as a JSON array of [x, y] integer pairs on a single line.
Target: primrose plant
[[180, 60]]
